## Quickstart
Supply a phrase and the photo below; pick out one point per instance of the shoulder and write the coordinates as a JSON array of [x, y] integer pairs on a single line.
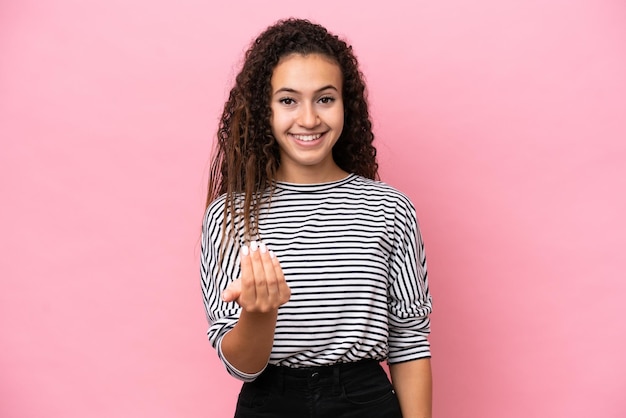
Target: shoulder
[[382, 190], [215, 211]]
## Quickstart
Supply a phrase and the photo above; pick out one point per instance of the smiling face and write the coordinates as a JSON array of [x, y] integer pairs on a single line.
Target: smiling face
[[307, 117]]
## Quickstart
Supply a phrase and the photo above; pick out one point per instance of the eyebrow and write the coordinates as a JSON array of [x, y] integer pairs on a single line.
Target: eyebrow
[[290, 90]]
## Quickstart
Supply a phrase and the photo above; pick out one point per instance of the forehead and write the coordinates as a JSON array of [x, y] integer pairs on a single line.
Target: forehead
[[298, 71]]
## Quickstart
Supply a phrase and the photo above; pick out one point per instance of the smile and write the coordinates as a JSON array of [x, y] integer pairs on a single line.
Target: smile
[[307, 138]]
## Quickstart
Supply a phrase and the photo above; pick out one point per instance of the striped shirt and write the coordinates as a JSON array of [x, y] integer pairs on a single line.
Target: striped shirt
[[353, 256]]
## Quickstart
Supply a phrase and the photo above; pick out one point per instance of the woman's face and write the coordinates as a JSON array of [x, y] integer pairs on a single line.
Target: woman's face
[[307, 117]]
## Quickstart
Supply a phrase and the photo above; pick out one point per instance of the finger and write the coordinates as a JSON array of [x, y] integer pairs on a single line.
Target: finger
[[232, 291], [281, 283], [248, 290], [270, 274], [260, 283], [247, 272]]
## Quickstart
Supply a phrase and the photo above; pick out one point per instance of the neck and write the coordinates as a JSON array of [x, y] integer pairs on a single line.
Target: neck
[[310, 176]]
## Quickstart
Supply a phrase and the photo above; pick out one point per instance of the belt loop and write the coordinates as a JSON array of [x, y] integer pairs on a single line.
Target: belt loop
[[337, 379], [281, 380]]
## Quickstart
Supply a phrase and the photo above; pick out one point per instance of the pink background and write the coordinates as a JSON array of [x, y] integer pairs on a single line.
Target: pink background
[[504, 121]]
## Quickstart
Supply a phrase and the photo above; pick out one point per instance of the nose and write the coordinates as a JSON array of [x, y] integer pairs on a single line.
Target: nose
[[308, 117]]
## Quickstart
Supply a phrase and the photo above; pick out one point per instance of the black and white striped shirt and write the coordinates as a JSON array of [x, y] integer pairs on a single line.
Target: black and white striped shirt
[[353, 256]]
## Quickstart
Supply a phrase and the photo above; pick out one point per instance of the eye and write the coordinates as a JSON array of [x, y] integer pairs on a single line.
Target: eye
[[326, 100], [287, 101]]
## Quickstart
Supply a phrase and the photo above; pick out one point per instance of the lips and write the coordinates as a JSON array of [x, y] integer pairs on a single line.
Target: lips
[[307, 138]]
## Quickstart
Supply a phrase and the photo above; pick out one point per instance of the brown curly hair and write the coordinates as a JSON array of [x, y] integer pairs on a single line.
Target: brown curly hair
[[246, 157]]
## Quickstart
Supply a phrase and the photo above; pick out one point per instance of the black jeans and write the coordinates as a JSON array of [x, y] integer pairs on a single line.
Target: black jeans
[[350, 390]]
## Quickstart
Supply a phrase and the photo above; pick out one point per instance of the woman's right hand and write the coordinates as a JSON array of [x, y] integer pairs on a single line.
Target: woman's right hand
[[262, 287]]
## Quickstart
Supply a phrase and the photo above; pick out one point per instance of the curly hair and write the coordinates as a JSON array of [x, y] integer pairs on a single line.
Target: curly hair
[[246, 156]]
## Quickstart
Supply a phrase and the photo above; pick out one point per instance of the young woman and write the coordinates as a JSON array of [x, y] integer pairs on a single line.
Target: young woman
[[313, 271]]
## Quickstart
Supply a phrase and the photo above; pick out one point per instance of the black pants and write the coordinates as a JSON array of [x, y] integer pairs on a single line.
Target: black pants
[[358, 390]]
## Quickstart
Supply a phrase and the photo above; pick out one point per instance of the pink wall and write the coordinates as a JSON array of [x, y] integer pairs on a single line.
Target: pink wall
[[505, 121]]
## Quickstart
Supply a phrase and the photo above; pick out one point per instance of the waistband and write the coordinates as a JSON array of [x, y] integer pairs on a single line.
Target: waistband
[[303, 379], [321, 371]]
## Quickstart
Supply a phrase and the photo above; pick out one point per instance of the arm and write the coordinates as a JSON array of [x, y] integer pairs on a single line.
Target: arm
[[410, 305], [412, 381], [260, 291]]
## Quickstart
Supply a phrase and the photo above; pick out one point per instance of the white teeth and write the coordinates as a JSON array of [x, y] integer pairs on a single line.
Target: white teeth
[[307, 138]]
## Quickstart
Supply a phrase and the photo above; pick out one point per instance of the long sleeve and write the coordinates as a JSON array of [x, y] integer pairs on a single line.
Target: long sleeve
[[410, 302], [217, 269], [353, 257]]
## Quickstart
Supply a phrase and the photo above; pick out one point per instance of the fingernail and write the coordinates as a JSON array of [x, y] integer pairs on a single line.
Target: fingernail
[[224, 294], [253, 246], [263, 248], [272, 254], [244, 250]]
